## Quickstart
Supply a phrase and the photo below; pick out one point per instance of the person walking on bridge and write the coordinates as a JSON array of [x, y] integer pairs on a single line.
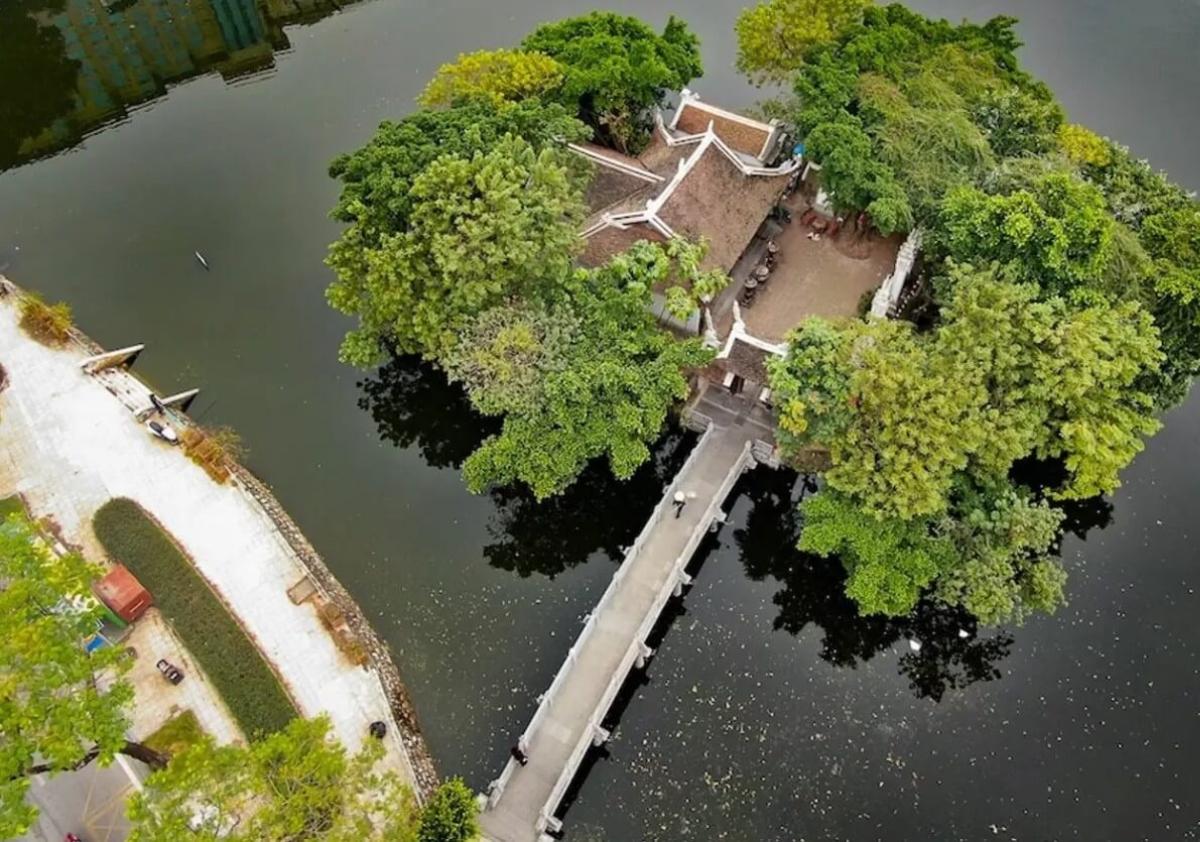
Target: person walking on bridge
[[679, 502]]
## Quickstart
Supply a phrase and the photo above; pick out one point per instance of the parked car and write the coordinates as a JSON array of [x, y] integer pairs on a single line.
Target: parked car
[[170, 672]]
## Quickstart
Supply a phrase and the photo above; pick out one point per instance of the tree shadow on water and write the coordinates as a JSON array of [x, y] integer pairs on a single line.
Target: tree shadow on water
[[597, 514], [414, 405], [953, 653]]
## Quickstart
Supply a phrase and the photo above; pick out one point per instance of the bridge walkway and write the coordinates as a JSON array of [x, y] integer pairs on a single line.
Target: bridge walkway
[[522, 802]]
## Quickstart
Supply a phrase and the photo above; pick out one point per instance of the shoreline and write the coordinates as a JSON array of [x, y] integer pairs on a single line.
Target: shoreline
[[248, 509]]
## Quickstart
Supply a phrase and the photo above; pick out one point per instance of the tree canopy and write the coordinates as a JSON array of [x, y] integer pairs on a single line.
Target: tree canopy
[[915, 424], [616, 68], [1057, 298], [294, 784], [450, 815], [377, 180], [592, 377], [901, 108], [62, 707], [774, 35], [500, 76], [500, 224]]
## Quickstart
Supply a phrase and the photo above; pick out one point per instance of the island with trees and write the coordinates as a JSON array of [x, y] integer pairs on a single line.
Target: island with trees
[[1052, 310], [971, 316]]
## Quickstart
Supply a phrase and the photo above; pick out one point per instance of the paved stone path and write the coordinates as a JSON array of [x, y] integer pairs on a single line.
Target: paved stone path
[[70, 446], [606, 651]]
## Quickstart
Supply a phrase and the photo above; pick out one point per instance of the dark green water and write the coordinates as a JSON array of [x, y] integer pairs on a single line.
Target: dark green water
[[771, 712]]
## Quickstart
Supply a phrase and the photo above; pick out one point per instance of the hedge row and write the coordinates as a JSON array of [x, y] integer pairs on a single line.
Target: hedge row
[[231, 660]]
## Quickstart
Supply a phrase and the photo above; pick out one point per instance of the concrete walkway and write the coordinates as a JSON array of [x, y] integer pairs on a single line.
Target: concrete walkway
[[70, 446], [523, 800]]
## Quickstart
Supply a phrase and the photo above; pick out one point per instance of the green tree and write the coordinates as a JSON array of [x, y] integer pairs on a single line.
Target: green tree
[[774, 36], [856, 179], [297, 783], [504, 355], [617, 69], [377, 180], [481, 230], [890, 561], [450, 815], [901, 109], [61, 707], [694, 285], [1099, 412], [893, 416], [1002, 570], [1084, 147], [989, 553], [500, 76], [1057, 234], [605, 392]]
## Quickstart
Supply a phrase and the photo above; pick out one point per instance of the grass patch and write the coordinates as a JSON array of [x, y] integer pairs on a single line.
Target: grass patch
[[244, 680], [49, 324], [11, 506], [179, 733]]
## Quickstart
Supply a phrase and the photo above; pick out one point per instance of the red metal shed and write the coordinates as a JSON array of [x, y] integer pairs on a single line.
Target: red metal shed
[[123, 593]]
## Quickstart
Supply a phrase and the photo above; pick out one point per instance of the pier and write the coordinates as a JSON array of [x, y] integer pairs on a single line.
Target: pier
[[521, 803]]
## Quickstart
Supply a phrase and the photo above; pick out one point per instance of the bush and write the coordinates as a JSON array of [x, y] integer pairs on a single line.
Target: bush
[[177, 734], [212, 449], [450, 815], [232, 661], [49, 324]]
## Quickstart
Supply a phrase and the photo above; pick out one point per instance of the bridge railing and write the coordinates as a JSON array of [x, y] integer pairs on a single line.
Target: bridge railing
[[496, 789], [632, 654]]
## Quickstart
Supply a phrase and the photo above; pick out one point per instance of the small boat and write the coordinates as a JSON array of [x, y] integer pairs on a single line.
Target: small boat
[[203, 262], [163, 432]]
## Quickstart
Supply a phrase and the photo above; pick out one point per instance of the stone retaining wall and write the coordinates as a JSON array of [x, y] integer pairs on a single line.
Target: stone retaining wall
[[378, 653]]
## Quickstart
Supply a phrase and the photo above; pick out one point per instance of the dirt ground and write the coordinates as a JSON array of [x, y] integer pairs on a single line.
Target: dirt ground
[[816, 278]]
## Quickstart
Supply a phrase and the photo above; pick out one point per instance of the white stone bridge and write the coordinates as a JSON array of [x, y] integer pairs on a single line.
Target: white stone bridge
[[522, 802]]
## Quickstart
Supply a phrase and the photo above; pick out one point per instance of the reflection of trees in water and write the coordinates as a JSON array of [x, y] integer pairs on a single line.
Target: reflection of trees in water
[[127, 53], [37, 80], [1080, 516], [414, 405], [598, 513], [952, 656]]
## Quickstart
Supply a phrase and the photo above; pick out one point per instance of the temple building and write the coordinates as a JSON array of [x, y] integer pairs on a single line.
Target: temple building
[[742, 185]]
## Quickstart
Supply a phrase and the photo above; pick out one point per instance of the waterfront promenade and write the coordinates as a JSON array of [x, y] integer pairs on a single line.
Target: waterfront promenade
[[71, 443], [523, 800]]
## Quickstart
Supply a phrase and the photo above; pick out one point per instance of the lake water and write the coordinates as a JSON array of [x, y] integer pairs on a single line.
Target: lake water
[[770, 712]]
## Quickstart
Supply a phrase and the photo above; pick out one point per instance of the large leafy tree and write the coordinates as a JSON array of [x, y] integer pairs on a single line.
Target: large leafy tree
[[923, 432], [605, 376], [1057, 234], [1005, 376], [894, 420], [377, 180], [499, 76], [295, 784], [60, 706], [774, 35], [902, 108], [617, 69], [1164, 273], [450, 815], [500, 224], [989, 554]]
